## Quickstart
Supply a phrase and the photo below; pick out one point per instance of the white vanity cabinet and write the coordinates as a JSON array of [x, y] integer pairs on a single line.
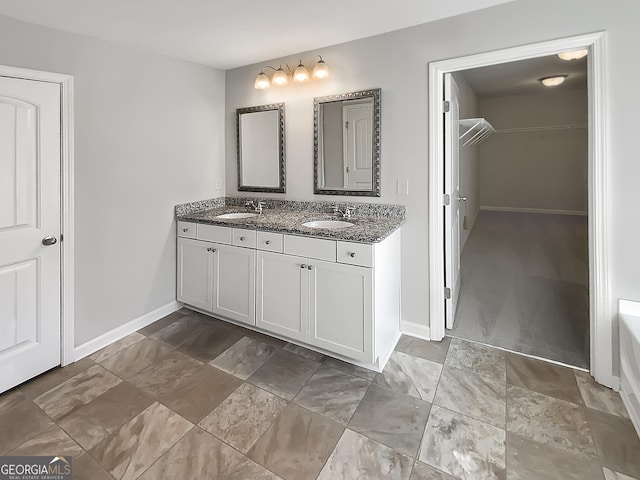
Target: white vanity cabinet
[[215, 277]]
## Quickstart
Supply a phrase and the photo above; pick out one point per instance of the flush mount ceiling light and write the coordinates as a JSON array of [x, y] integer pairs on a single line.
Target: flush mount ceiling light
[[573, 55], [300, 74], [553, 81]]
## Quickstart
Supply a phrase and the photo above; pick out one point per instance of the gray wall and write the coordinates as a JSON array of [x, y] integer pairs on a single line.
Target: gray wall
[[542, 169], [397, 62], [149, 133]]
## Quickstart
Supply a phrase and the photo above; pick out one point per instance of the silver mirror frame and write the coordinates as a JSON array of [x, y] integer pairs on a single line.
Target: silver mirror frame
[[281, 148], [375, 93]]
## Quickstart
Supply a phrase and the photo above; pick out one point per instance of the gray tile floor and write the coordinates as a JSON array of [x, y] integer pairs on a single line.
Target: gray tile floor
[[196, 398], [525, 286]]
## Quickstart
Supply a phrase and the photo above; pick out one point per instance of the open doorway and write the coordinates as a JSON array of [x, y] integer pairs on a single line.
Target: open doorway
[[446, 197]]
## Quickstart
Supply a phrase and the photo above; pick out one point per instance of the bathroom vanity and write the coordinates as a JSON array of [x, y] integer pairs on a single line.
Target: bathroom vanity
[[333, 290]]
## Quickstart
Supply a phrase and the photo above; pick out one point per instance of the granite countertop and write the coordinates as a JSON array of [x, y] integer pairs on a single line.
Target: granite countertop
[[366, 229]]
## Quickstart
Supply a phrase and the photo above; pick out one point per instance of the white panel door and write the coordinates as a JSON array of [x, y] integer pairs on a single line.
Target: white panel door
[[29, 212], [234, 283], [283, 295], [358, 146], [195, 273], [452, 188], [340, 309]]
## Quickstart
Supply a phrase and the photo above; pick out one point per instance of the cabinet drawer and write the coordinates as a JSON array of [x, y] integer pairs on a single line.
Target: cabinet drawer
[[244, 238], [310, 247], [355, 254], [214, 233], [186, 229], [270, 241]]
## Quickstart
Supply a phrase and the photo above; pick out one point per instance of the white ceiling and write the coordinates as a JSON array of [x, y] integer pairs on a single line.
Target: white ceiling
[[521, 77], [231, 33]]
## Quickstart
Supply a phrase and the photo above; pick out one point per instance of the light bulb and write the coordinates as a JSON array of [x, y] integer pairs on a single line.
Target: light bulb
[[262, 81], [573, 55], [280, 77], [301, 74], [320, 70], [553, 81]]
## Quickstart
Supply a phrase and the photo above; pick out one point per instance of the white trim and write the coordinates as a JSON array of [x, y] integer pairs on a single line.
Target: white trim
[[67, 200], [488, 208], [122, 331], [601, 316], [418, 330]]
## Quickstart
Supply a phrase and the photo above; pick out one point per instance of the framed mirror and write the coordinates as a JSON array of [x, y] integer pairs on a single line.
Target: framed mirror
[[346, 144], [260, 139]]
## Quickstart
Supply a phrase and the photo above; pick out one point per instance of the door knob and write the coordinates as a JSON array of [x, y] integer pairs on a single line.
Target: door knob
[[463, 198], [303, 266], [50, 240]]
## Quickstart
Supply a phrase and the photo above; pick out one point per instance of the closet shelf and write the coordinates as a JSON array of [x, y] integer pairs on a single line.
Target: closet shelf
[[478, 129]]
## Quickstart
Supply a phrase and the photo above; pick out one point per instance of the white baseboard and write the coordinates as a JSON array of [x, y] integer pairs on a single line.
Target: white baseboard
[[122, 331], [413, 329], [533, 210]]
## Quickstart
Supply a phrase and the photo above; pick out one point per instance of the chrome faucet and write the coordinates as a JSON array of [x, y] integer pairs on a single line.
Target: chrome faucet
[[256, 207], [345, 214]]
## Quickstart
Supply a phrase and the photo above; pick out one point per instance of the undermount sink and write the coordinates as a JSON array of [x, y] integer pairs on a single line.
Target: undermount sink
[[327, 224], [235, 216]]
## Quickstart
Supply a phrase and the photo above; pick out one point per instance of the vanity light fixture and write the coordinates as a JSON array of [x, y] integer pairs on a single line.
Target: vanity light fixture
[[300, 74], [553, 81], [573, 55]]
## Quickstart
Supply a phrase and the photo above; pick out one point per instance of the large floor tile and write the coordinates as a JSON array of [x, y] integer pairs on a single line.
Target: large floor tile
[[616, 441], [297, 444], [527, 460], [477, 358], [463, 447], [51, 441], [199, 393], [414, 376], [242, 418], [422, 471], [361, 372], [611, 475], [164, 376], [599, 397], [129, 361], [284, 374], [356, 456], [244, 357], [163, 322], [95, 421], [542, 377], [434, 351], [86, 468], [77, 391], [391, 418], [199, 456], [116, 347], [548, 420], [304, 352], [333, 394], [20, 420], [473, 395], [45, 382], [140, 442]]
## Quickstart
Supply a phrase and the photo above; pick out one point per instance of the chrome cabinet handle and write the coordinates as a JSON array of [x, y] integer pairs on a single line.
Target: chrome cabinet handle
[[50, 240], [267, 242], [310, 267], [185, 230], [463, 198], [242, 239], [352, 254], [303, 266], [211, 249]]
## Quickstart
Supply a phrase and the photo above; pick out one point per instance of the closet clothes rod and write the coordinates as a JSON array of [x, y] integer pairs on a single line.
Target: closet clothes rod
[[541, 129]]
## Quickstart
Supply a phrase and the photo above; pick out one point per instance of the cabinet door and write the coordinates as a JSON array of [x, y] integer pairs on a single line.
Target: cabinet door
[[195, 273], [340, 309], [234, 283], [283, 294]]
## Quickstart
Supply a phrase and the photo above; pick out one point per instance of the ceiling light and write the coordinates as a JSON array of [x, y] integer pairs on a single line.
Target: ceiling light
[[300, 74], [553, 81], [573, 55]]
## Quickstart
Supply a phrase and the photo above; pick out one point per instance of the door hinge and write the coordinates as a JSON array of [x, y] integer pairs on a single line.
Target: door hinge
[[447, 293], [446, 199], [446, 106], [346, 125], [61, 237]]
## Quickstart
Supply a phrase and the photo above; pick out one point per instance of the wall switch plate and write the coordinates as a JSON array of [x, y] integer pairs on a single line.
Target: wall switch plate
[[218, 184], [403, 186]]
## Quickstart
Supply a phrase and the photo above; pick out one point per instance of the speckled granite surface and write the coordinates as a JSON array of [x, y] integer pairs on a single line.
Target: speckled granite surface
[[372, 222]]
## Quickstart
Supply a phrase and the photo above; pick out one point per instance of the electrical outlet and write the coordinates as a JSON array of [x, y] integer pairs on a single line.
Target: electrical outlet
[[219, 184], [403, 186]]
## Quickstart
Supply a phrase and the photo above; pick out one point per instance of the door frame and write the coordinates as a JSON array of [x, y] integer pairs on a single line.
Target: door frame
[[601, 311], [65, 82]]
